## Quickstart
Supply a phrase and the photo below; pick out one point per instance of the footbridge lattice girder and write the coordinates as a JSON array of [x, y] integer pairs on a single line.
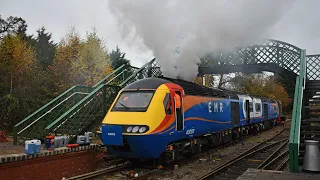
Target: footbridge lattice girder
[[264, 52]]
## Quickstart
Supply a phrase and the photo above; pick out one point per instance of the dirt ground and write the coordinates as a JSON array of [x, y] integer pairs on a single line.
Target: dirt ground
[[8, 148]]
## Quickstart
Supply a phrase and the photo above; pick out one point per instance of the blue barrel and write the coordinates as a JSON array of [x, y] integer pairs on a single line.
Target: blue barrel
[[30, 147], [37, 145]]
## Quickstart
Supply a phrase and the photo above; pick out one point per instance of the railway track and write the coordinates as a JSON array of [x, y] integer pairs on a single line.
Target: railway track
[[271, 154], [101, 172], [125, 168]]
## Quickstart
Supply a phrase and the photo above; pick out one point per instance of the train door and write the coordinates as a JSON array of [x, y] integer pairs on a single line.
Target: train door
[[247, 110], [257, 108], [235, 113], [265, 110], [179, 115]]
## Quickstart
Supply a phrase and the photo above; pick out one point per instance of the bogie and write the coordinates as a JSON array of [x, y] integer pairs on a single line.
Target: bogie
[[193, 146]]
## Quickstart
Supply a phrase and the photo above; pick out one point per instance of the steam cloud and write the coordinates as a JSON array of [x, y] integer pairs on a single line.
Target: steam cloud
[[180, 32]]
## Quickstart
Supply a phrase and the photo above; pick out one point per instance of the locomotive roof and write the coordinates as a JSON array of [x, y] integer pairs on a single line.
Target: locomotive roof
[[263, 99], [189, 87], [147, 83]]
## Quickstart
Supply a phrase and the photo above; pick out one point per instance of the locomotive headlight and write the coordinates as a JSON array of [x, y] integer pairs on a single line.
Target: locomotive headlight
[[129, 129], [135, 129], [142, 129]]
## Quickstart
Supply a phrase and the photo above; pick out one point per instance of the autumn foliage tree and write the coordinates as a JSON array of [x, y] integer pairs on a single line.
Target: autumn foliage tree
[[17, 61], [66, 52], [34, 69], [92, 62], [262, 86], [79, 61], [209, 80]]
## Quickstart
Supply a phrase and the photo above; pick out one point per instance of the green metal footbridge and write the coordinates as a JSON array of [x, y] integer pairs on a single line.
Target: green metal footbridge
[[82, 108]]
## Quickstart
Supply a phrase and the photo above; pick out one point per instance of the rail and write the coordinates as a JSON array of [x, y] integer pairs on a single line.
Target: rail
[[259, 147], [296, 115], [100, 172]]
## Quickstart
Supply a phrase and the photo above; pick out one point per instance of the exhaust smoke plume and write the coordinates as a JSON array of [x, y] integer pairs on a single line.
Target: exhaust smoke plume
[[180, 32]]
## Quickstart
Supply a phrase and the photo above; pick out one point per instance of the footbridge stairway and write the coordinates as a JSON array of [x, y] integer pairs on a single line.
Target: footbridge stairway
[[306, 111], [80, 108]]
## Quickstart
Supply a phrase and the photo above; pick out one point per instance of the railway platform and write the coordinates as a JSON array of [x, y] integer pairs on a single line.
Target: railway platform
[[258, 174]]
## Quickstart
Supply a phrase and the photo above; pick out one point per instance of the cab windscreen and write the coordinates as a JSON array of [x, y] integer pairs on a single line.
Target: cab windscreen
[[133, 101]]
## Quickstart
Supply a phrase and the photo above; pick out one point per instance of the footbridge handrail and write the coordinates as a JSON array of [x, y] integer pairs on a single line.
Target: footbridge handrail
[[296, 115]]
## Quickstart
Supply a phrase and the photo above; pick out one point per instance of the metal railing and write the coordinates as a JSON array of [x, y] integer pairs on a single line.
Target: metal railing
[[30, 126], [34, 125], [296, 115]]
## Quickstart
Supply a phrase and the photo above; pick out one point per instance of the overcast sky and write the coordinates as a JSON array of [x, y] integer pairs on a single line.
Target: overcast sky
[[300, 26]]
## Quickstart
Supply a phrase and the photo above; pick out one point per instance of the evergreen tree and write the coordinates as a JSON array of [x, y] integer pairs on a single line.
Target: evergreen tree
[[45, 48], [118, 58]]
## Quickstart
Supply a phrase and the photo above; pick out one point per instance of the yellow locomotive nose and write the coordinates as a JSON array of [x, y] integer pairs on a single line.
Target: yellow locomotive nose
[[138, 111]]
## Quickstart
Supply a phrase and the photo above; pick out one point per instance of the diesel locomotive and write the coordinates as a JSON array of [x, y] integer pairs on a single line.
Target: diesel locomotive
[[163, 117]]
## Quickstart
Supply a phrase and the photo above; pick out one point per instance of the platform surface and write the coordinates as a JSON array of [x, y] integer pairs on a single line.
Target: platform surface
[[257, 174]]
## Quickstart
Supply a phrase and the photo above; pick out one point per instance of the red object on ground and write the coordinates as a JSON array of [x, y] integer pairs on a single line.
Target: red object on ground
[[279, 120], [72, 145], [3, 137], [100, 156]]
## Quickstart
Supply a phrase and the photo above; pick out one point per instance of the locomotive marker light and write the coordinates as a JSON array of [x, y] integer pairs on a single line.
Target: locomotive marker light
[[129, 129], [142, 129], [135, 129]]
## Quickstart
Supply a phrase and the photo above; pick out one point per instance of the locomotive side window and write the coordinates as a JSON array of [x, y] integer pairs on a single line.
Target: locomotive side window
[[167, 104], [179, 111], [251, 107], [133, 101], [258, 107]]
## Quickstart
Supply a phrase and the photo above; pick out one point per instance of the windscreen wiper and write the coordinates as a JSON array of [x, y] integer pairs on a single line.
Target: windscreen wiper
[[124, 105]]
